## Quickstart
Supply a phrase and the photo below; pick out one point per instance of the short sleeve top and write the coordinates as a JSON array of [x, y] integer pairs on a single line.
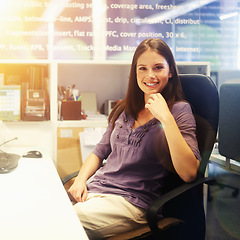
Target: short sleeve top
[[138, 159]]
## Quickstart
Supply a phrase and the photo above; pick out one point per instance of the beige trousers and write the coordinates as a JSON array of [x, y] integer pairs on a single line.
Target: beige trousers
[[105, 215]]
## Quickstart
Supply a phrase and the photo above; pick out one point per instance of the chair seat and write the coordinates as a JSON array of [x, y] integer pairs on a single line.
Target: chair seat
[[145, 231]]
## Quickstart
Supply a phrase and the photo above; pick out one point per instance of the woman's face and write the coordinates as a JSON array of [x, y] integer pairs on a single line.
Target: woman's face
[[152, 72]]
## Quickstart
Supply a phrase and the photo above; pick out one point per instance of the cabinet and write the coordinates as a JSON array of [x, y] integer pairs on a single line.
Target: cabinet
[[30, 81], [29, 75]]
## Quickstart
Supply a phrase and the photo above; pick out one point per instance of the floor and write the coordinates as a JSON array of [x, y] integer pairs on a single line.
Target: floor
[[223, 211]]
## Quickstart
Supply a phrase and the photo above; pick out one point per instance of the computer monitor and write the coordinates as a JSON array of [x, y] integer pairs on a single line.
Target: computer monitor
[[10, 102]]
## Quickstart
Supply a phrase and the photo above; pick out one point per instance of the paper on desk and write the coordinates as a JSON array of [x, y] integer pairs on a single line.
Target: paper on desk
[[88, 139], [93, 135]]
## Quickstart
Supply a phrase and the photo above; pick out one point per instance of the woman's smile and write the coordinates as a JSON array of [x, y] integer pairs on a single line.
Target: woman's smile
[[151, 84]]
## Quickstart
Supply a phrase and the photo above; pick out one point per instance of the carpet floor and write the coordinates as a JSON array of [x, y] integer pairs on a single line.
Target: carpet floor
[[223, 210]]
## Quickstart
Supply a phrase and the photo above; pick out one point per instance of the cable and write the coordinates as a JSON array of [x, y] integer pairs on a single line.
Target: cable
[[8, 141]]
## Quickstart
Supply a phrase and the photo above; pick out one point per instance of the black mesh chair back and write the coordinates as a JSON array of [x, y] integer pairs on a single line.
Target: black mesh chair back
[[201, 92]]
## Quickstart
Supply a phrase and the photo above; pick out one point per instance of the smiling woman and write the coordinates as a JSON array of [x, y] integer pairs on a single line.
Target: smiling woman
[[134, 174]]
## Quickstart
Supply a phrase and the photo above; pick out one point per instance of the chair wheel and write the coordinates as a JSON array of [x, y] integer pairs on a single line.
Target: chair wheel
[[235, 193]]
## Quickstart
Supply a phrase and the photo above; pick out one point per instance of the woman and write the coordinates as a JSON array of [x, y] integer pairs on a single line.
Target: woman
[[150, 140]]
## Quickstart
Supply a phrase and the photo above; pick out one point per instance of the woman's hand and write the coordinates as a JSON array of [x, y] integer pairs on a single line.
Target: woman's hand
[[78, 191], [157, 105]]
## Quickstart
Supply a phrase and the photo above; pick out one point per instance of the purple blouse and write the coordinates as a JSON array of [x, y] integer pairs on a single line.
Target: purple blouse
[[138, 159]]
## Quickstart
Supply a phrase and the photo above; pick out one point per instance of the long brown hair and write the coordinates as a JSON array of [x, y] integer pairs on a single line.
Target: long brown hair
[[134, 102]]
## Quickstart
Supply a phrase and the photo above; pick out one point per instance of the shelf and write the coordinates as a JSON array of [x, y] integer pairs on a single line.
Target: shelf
[[25, 61], [83, 123]]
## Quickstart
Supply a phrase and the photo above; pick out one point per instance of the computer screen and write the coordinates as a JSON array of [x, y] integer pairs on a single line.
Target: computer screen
[[10, 102]]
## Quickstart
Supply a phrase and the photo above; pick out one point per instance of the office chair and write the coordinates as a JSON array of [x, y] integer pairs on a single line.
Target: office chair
[[229, 132], [183, 207]]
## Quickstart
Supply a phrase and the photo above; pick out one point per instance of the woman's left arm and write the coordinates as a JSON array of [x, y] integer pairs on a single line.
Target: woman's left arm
[[178, 147]]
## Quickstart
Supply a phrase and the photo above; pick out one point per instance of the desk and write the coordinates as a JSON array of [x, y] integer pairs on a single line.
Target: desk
[[34, 204], [227, 164]]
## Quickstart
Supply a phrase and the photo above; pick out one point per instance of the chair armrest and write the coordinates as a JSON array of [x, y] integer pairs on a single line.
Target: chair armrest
[[154, 208], [69, 177]]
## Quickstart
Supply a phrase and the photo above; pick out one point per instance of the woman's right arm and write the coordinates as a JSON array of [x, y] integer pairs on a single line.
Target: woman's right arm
[[78, 191]]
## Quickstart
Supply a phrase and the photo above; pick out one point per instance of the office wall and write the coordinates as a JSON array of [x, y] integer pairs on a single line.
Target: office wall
[[223, 76], [107, 81]]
